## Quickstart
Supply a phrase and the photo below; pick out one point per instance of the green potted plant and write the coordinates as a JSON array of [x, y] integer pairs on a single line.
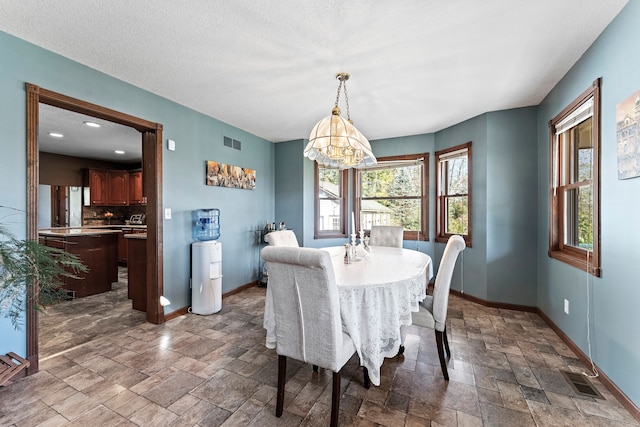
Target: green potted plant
[[24, 262]]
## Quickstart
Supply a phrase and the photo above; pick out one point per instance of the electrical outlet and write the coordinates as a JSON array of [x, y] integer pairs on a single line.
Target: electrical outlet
[[566, 306]]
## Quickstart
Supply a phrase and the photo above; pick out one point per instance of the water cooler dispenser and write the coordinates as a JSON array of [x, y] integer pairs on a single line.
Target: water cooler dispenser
[[206, 263]]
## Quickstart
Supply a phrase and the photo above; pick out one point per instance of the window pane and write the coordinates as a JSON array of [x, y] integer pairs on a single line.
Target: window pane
[[457, 176], [392, 182], [329, 215], [404, 212], [584, 145], [330, 202], [329, 180], [457, 215], [579, 218]]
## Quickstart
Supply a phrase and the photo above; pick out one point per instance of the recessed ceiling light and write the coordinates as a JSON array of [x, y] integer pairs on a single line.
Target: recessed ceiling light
[[56, 134], [92, 124], [119, 152]]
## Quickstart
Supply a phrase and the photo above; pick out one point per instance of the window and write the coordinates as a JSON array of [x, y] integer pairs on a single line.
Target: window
[[394, 192], [574, 235], [330, 202], [453, 189]]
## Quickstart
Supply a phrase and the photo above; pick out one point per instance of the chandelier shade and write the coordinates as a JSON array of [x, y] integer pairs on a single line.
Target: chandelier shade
[[335, 142]]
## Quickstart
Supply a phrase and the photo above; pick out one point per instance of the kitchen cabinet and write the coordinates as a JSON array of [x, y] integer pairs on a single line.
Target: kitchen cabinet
[[118, 188], [137, 271], [97, 187], [123, 251], [108, 187], [97, 249], [135, 189]]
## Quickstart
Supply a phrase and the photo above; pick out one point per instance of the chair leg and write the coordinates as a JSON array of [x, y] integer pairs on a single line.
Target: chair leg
[[282, 373], [367, 380], [446, 341], [443, 363], [335, 399]]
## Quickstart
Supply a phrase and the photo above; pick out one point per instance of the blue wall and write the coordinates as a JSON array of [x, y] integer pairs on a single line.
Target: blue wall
[[290, 187], [198, 138], [512, 215], [613, 298]]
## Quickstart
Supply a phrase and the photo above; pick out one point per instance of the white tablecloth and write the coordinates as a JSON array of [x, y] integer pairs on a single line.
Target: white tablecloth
[[377, 296]]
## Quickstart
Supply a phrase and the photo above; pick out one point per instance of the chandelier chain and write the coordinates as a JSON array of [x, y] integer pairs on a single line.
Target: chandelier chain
[[338, 94], [346, 98]]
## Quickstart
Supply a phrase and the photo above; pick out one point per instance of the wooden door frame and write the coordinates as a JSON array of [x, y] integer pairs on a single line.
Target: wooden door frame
[[152, 184]]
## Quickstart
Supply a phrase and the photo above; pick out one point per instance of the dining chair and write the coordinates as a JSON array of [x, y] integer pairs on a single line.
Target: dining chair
[[436, 305], [386, 235], [282, 238], [308, 325]]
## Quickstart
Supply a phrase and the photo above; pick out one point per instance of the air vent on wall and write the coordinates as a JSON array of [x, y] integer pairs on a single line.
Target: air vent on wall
[[232, 143]]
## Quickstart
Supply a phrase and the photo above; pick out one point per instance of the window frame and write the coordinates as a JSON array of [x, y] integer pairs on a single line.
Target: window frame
[[423, 234], [344, 182], [583, 259], [441, 235]]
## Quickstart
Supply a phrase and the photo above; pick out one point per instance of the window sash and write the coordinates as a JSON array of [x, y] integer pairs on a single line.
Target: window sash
[[325, 219], [364, 217], [574, 224], [448, 191]]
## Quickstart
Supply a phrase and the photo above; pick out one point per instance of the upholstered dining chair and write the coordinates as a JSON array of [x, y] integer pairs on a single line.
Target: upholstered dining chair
[[307, 316], [386, 235], [436, 305], [282, 238]]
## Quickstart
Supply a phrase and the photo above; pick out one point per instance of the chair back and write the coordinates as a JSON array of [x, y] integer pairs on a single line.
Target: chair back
[[306, 303], [455, 245], [282, 238], [386, 235]]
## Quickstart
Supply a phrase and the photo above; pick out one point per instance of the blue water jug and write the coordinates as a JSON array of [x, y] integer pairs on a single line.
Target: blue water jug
[[206, 224]]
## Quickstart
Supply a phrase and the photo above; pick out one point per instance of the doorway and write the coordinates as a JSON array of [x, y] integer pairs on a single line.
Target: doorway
[[152, 187]]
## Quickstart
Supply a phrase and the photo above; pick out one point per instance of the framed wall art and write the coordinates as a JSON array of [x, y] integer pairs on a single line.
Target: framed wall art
[[224, 175], [628, 136]]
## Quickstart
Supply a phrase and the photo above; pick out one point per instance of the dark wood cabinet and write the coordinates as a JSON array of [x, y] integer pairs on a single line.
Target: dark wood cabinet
[[118, 188], [137, 272], [135, 189], [96, 251], [108, 187], [97, 180], [123, 247]]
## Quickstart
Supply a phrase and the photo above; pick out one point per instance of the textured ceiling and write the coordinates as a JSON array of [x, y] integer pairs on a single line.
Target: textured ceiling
[[268, 67]]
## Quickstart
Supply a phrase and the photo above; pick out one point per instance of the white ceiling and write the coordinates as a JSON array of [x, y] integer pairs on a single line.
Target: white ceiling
[[80, 140], [268, 67]]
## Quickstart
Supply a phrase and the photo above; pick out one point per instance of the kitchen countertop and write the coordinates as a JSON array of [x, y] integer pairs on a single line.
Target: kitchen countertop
[[136, 236], [78, 231], [119, 226]]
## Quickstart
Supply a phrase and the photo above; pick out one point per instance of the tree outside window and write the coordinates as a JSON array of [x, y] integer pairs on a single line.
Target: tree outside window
[[394, 192], [453, 187]]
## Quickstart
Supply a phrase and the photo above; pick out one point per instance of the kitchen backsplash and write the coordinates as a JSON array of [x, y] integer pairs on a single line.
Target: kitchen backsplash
[[95, 215]]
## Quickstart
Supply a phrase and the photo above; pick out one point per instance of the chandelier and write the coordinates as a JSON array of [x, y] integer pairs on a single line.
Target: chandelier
[[335, 142]]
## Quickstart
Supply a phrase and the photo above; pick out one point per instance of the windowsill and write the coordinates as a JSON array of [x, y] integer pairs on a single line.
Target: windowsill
[[578, 262]]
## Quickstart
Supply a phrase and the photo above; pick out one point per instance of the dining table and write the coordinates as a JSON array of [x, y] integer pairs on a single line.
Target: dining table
[[378, 291]]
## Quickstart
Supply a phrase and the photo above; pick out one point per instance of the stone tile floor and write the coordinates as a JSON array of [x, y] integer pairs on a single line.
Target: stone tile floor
[[117, 370]]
